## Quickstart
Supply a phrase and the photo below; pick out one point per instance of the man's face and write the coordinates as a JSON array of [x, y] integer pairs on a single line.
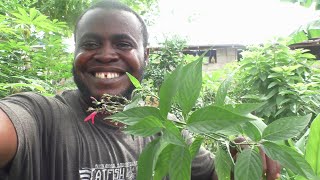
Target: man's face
[[109, 43]]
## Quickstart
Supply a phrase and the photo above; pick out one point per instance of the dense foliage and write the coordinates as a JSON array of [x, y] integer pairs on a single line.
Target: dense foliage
[[172, 155], [164, 60], [271, 100], [69, 10], [287, 81], [62, 10], [33, 56]]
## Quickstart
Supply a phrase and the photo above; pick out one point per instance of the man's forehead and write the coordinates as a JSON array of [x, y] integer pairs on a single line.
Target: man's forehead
[[99, 19]]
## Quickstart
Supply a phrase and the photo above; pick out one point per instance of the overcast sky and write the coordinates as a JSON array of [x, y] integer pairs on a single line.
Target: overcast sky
[[228, 21]]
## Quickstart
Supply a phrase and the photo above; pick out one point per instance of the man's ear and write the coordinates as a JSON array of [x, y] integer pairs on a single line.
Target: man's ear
[[146, 56]]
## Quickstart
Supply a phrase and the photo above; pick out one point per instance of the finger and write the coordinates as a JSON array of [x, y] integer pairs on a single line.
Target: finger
[[273, 169], [242, 140]]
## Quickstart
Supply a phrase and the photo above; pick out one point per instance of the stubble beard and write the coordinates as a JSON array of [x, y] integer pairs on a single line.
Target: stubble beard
[[84, 90]]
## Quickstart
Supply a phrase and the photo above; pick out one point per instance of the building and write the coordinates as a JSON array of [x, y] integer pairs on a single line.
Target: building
[[312, 44]]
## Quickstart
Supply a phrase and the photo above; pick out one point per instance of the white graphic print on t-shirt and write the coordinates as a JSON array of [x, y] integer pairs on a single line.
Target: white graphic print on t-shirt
[[120, 171]]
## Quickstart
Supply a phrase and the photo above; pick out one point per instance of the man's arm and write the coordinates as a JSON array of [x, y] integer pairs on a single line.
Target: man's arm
[[8, 140]]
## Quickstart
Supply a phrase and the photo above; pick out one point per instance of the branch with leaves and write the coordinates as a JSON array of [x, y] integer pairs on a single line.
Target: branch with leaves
[[171, 155]]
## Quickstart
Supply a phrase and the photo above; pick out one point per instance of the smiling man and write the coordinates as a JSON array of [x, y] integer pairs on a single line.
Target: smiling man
[[46, 138], [109, 42]]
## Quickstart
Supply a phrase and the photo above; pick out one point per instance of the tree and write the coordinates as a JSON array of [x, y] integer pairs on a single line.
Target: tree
[[69, 10]]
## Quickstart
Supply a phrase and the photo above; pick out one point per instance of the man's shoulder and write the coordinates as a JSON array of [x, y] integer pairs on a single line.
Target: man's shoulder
[[37, 98], [67, 94], [24, 96]]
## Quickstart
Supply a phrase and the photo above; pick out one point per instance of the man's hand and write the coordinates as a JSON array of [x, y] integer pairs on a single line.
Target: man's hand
[[271, 168]]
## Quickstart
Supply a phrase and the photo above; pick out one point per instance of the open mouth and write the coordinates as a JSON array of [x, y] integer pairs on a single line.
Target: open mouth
[[107, 75]]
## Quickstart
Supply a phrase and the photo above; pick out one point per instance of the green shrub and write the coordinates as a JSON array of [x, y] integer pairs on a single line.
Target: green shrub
[[164, 60], [286, 80], [33, 56]]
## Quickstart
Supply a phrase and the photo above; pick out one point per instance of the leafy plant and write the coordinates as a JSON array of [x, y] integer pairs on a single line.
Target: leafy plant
[[69, 10], [33, 56], [171, 154], [305, 32], [165, 60], [312, 153], [211, 82], [282, 78]]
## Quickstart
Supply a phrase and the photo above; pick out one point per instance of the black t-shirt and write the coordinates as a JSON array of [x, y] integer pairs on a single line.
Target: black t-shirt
[[54, 143]]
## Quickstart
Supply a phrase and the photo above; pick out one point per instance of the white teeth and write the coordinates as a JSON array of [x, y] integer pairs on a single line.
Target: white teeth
[[100, 75], [108, 75]]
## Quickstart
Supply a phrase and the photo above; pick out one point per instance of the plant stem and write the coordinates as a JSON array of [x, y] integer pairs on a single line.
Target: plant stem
[[180, 123], [246, 143]]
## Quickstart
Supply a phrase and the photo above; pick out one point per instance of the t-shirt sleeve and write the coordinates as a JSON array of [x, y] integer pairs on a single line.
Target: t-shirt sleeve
[[202, 165], [26, 112]]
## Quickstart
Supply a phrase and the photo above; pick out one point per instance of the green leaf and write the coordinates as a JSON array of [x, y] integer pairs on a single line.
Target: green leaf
[[24, 14], [243, 109], [148, 158], [17, 15], [33, 13], [289, 158], [195, 146], [136, 114], [134, 102], [307, 3], [285, 128], [313, 33], [313, 146], [189, 86], [298, 36], [41, 18], [146, 161], [168, 90], [214, 119], [272, 84], [162, 165], [222, 91], [180, 163], [232, 131], [301, 143], [280, 100], [171, 134], [223, 164], [271, 94], [146, 127], [134, 81], [248, 165], [263, 77], [252, 131]]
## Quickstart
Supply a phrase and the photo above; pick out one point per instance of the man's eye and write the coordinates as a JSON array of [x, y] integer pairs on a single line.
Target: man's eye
[[124, 45], [90, 45]]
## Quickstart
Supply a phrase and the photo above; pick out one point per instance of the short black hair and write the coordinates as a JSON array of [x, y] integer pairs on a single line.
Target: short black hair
[[115, 5]]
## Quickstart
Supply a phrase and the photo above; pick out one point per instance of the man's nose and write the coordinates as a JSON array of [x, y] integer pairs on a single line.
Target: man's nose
[[107, 53]]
